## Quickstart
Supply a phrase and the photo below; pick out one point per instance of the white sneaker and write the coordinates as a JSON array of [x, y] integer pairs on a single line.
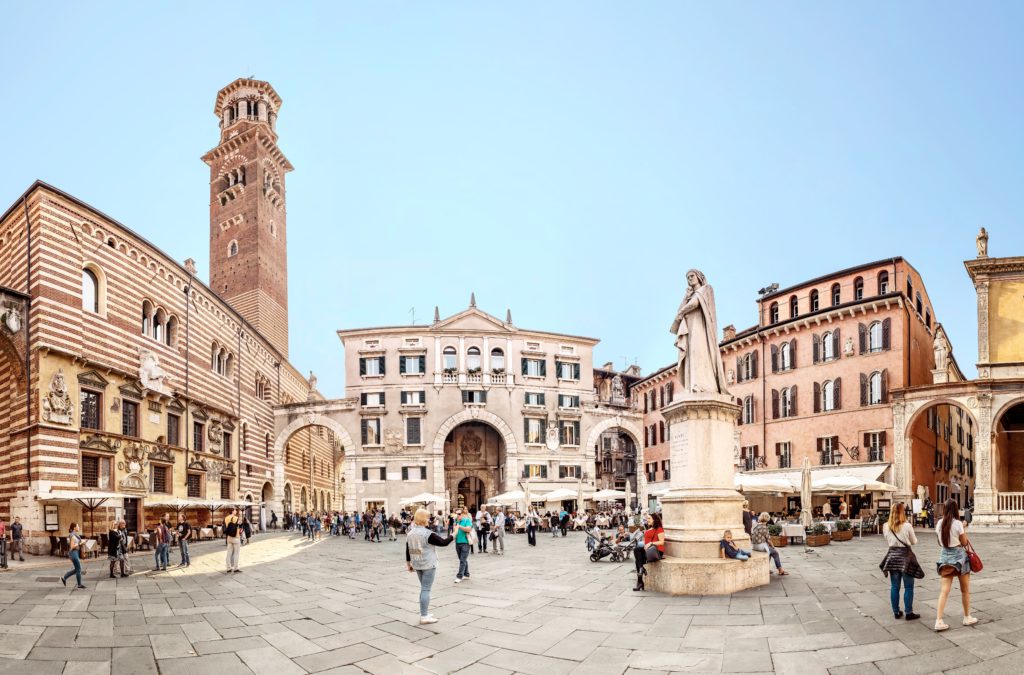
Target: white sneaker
[[458, 580], [970, 620], [430, 618]]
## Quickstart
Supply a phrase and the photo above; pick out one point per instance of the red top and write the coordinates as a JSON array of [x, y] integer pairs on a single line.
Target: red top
[[651, 536]]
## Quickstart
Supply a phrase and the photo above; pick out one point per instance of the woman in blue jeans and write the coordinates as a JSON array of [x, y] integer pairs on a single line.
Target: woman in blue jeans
[[420, 557], [899, 563], [74, 547]]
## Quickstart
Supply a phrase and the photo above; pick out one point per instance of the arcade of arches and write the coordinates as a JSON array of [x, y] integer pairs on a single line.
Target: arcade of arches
[[1008, 451], [474, 463], [942, 447]]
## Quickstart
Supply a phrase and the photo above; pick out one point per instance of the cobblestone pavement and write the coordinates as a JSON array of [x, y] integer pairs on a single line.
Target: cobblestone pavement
[[343, 606]]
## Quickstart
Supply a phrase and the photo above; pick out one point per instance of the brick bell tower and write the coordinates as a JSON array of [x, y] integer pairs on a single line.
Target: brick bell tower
[[248, 243]]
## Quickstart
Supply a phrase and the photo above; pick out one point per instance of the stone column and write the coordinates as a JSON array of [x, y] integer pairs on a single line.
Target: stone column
[[984, 485], [901, 471], [702, 503]]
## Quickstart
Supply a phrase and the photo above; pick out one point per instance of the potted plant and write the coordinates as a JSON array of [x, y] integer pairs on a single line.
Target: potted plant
[[843, 531], [497, 371], [818, 536], [450, 371], [775, 532], [474, 371]]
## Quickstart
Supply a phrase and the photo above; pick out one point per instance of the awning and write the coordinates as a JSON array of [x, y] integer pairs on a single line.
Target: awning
[[752, 482], [866, 478], [90, 499]]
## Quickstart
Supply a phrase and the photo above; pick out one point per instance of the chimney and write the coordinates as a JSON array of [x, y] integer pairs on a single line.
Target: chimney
[[608, 366], [729, 332]]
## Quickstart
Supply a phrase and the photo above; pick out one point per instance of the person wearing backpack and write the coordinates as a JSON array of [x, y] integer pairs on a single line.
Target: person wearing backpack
[[231, 530]]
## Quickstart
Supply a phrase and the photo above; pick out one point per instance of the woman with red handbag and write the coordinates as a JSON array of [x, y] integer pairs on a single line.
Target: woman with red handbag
[[953, 562]]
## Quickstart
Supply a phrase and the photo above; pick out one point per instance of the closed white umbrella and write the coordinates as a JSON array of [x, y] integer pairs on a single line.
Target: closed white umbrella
[[629, 496], [805, 493]]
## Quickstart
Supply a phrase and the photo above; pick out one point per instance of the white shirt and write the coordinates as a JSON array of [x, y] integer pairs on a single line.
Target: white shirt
[[956, 528], [499, 521], [906, 533]]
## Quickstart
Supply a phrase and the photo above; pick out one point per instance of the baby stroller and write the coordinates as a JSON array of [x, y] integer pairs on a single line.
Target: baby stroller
[[622, 552], [599, 548]]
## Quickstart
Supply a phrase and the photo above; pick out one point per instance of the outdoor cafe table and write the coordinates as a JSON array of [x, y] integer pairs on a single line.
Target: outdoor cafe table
[[793, 531], [206, 533]]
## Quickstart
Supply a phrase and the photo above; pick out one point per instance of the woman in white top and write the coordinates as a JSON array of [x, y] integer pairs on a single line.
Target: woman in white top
[[953, 563], [899, 563]]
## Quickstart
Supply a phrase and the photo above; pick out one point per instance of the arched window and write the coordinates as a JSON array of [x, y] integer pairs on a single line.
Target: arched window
[[785, 357], [748, 410], [875, 343], [910, 289], [229, 364], [786, 402], [875, 389], [773, 313], [232, 249], [836, 295], [928, 317], [451, 358], [159, 321], [858, 288], [215, 357], [828, 396], [747, 371], [883, 282], [171, 333], [814, 301], [147, 312], [919, 304], [794, 307], [473, 358], [497, 359], [827, 346], [90, 291]]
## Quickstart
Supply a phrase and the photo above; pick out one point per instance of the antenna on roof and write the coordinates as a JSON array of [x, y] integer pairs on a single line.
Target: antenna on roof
[[412, 311]]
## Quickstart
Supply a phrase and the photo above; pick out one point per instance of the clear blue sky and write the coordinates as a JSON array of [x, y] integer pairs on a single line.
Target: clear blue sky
[[569, 160]]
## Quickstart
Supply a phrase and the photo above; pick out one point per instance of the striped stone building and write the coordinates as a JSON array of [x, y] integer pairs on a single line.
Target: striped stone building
[[121, 372]]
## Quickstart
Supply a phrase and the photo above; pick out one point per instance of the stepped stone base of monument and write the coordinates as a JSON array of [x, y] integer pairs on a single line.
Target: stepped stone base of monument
[[710, 576]]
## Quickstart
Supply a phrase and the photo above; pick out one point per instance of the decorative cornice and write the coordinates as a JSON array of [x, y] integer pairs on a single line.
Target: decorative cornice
[[987, 267]]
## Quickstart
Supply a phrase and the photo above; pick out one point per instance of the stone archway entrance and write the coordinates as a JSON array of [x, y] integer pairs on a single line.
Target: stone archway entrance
[[474, 463], [1008, 457], [941, 441]]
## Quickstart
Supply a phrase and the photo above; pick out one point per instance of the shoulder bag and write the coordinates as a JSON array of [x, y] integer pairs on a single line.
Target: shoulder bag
[[973, 558], [652, 553]]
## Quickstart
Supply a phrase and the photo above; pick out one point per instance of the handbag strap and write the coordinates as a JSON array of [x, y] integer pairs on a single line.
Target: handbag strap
[[898, 539]]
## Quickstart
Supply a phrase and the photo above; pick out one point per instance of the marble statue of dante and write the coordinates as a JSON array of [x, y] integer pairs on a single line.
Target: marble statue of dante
[[696, 330]]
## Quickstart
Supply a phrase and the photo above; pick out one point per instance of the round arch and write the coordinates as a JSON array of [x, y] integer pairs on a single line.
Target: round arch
[[997, 416], [476, 415], [612, 423], [300, 422], [907, 472]]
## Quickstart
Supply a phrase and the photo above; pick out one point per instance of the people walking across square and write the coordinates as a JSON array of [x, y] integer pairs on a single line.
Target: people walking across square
[[17, 539], [74, 553], [498, 533], [231, 531], [953, 563], [900, 564], [184, 537]]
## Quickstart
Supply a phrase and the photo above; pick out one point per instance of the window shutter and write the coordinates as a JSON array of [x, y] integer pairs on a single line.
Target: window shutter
[[817, 397], [362, 397], [837, 392], [862, 334], [775, 359], [886, 328], [739, 371], [405, 473], [362, 366], [381, 359], [753, 364], [792, 400], [645, 402], [743, 452], [576, 371], [541, 399], [362, 432], [817, 348], [792, 353], [483, 396], [366, 473], [543, 470], [382, 402], [544, 368], [561, 438], [465, 395], [835, 343], [778, 449], [402, 398], [524, 366], [383, 473], [423, 363], [881, 439], [885, 386], [401, 365], [867, 440], [526, 431], [819, 443], [775, 404], [863, 389], [526, 471], [561, 472]]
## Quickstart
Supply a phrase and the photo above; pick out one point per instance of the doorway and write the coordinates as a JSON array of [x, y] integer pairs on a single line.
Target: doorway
[[471, 493]]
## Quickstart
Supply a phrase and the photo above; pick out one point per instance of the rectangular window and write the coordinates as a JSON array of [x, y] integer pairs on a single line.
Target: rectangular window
[[374, 473], [571, 471], [371, 366], [567, 401], [370, 431], [413, 398], [534, 398], [412, 431], [91, 410], [570, 432], [227, 445], [372, 399], [829, 449], [534, 430], [567, 371], [194, 483], [173, 430], [535, 471], [96, 472], [474, 396], [535, 367], [225, 488], [159, 482], [665, 469], [414, 473], [785, 455], [413, 365], [130, 418], [876, 446], [198, 437]]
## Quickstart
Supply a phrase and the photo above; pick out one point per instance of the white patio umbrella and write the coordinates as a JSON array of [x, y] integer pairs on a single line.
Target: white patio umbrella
[[508, 497], [422, 498], [560, 494], [608, 495], [805, 493]]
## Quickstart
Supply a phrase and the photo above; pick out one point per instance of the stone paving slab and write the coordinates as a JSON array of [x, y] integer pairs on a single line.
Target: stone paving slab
[[303, 607]]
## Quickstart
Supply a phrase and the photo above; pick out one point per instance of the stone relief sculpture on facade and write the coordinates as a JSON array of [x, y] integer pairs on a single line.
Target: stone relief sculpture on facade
[[392, 440], [134, 463], [470, 446], [552, 437], [618, 393], [12, 319], [151, 374], [57, 406], [696, 330], [215, 437], [848, 347]]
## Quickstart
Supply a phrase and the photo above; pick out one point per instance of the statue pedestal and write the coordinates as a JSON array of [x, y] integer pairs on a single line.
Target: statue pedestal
[[702, 503]]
